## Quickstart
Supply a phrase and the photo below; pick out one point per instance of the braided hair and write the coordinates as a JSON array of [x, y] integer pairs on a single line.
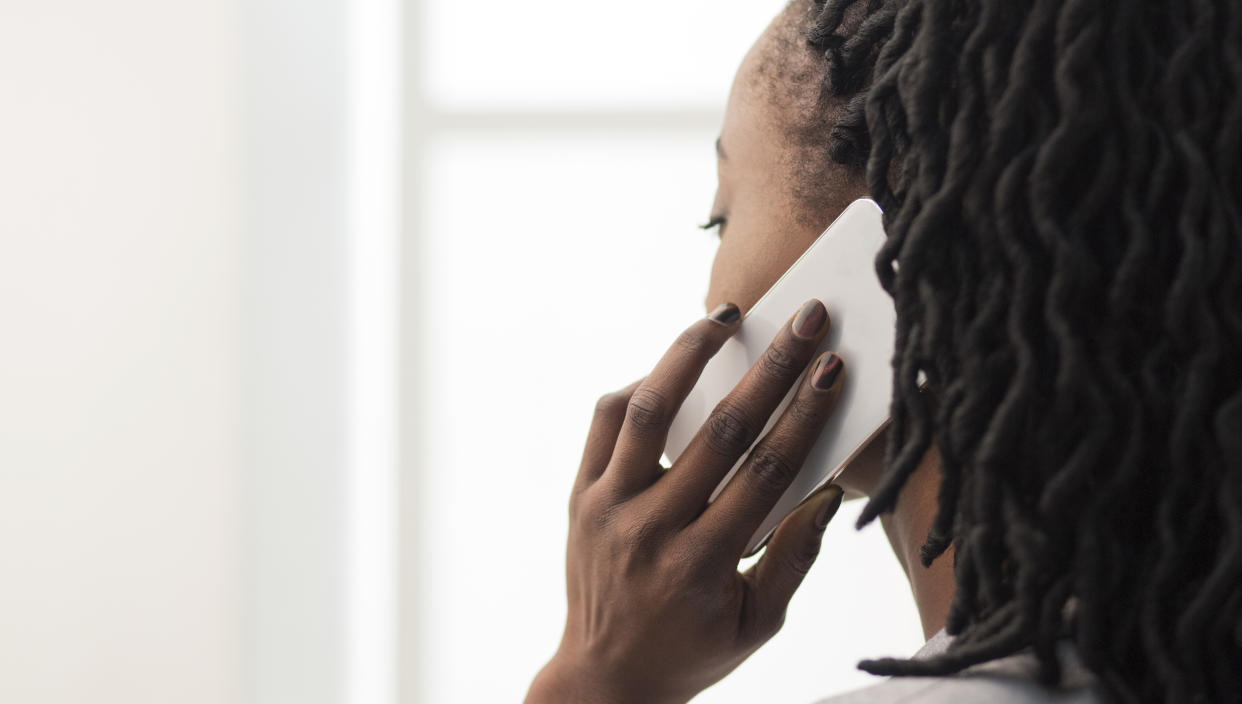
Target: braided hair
[[1061, 183]]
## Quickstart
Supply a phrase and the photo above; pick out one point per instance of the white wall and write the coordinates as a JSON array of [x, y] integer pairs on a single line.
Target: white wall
[[119, 441], [184, 185], [293, 347]]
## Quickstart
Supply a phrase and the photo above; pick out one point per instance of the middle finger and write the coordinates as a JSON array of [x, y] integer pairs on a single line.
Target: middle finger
[[738, 419]]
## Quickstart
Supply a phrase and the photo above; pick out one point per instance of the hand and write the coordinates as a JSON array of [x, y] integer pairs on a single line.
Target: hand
[[657, 608]]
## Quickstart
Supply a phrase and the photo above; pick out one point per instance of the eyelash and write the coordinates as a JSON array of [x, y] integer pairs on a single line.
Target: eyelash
[[715, 222]]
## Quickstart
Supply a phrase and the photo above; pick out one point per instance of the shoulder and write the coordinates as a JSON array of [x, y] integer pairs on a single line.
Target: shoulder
[[1010, 679], [964, 689]]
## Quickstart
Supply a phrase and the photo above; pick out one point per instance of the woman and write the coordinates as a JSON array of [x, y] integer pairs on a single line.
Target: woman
[[1062, 185]]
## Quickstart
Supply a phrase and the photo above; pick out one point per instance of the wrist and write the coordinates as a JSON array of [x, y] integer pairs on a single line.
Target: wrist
[[561, 681]]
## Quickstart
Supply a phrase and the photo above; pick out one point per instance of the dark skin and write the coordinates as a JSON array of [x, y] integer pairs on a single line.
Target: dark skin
[[658, 610]]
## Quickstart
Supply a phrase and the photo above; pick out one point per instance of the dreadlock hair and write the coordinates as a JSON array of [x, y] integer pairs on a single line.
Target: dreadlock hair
[[1061, 189]]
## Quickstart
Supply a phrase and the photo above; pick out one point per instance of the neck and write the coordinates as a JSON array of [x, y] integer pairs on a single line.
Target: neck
[[907, 526]]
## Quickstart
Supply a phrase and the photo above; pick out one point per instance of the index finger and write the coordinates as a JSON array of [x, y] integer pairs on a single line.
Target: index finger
[[652, 406], [736, 422]]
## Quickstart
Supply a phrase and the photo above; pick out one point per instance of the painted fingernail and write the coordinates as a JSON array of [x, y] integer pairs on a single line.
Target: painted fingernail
[[826, 371], [810, 319], [831, 499], [725, 314]]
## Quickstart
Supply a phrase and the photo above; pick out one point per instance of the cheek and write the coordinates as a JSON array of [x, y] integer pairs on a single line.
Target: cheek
[[746, 267], [736, 278]]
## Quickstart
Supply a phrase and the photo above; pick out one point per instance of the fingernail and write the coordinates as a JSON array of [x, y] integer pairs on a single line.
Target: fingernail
[[830, 501], [725, 314], [810, 319], [826, 371]]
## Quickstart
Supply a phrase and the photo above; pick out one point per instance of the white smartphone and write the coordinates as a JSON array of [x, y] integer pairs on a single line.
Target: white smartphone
[[839, 270]]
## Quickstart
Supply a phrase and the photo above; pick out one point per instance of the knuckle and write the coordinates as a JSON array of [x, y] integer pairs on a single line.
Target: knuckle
[[589, 511], [597, 508], [649, 409], [729, 430], [771, 472], [799, 560], [780, 363], [807, 411], [693, 341], [608, 404], [637, 534]]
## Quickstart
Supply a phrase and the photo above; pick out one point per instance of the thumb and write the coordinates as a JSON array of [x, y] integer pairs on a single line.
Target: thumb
[[793, 549]]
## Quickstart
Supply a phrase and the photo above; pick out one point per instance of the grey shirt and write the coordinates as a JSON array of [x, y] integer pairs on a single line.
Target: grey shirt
[[1010, 680]]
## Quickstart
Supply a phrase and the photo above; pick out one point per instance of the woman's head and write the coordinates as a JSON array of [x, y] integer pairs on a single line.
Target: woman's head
[[778, 187], [1063, 202]]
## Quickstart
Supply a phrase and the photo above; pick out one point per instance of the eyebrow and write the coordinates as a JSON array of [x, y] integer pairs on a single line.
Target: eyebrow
[[720, 152]]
